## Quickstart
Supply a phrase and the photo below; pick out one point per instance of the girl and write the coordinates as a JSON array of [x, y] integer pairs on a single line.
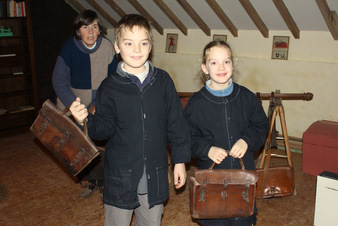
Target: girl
[[224, 116]]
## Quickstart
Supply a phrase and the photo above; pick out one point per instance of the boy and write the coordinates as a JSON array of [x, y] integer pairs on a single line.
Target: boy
[[138, 110]]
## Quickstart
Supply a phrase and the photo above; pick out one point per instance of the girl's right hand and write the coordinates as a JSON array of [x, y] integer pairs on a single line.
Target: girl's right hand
[[79, 111], [217, 154]]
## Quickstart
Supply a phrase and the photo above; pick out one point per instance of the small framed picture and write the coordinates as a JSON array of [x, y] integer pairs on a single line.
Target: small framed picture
[[171, 44], [219, 37], [280, 47]]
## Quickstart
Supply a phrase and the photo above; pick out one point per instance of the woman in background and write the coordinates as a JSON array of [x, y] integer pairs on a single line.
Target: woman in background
[[83, 62]]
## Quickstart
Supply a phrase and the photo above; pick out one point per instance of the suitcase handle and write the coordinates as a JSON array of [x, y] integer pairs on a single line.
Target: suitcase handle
[[240, 162], [84, 121]]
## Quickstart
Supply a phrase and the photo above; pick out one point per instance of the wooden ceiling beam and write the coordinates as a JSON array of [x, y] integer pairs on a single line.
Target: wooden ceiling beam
[[330, 17], [76, 5], [116, 8], [192, 13], [255, 17], [172, 16], [103, 12], [223, 17], [144, 12], [284, 12]]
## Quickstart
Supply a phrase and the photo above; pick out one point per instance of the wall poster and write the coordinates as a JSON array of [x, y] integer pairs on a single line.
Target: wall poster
[[280, 47], [171, 44], [219, 37]]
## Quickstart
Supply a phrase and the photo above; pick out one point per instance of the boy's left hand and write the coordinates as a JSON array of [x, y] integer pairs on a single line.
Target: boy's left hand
[[180, 175]]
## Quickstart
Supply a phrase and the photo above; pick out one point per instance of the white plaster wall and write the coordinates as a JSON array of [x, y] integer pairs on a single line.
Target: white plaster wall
[[312, 66]]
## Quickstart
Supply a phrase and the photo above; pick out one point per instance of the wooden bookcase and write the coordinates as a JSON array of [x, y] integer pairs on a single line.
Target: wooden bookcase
[[19, 102]]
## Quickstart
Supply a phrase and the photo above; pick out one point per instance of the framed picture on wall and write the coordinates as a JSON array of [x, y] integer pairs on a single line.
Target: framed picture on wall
[[219, 37], [280, 47], [171, 43]]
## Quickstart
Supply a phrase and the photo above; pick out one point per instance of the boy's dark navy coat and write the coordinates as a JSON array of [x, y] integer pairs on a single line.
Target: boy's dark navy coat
[[138, 124]]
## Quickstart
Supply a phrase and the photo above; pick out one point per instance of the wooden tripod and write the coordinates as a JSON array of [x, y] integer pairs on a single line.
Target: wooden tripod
[[275, 108]]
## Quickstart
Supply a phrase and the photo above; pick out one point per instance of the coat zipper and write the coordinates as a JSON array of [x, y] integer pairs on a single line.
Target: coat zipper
[[227, 128]]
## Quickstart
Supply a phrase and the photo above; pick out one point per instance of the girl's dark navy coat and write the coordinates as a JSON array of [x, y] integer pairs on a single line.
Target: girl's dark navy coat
[[221, 121], [138, 125]]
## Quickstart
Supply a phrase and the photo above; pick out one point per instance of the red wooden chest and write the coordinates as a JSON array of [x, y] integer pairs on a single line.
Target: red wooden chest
[[320, 148]]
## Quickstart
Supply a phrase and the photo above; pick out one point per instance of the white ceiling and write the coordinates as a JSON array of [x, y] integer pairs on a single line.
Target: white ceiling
[[305, 13]]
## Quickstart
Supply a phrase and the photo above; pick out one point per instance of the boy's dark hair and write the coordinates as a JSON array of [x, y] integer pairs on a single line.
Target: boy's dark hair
[[87, 17], [130, 21]]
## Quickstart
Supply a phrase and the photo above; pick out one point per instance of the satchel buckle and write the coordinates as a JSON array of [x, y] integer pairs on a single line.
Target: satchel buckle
[[45, 125], [224, 193], [202, 194], [273, 190], [62, 141], [245, 194], [78, 157]]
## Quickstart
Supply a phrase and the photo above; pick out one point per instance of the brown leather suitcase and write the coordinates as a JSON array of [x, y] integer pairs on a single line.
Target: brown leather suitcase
[[273, 182], [278, 182], [66, 141], [222, 193]]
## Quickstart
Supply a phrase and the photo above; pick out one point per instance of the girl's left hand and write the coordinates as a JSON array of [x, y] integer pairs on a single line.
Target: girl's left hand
[[239, 149]]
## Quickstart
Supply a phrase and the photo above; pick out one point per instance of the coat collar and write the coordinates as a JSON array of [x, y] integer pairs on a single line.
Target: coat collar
[[84, 49], [124, 77], [221, 100]]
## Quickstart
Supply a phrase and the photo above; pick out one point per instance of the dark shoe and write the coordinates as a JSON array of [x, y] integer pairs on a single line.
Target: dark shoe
[[87, 190]]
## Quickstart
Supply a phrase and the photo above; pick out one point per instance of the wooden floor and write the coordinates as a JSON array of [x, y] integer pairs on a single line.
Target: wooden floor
[[36, 190]]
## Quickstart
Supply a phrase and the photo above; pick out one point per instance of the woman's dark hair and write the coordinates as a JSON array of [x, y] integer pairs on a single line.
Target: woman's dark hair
[[87, 17]]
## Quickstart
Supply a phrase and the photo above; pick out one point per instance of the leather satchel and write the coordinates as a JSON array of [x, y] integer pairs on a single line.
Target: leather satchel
[[63, 138], [222, 193], [275, 181]]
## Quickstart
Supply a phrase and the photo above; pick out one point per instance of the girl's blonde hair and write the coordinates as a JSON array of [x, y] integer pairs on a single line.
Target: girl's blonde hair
[[206, 50]]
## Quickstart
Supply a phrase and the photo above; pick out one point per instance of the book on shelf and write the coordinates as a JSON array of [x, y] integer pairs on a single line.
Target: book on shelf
[[16, 8], [3, 8], [5, 32]]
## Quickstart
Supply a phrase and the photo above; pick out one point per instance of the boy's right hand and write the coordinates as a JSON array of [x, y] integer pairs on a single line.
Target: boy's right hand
[[217, 154], [79, 111]]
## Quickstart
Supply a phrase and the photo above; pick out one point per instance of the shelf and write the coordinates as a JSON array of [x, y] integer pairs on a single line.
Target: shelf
[[13, 75], [15, 93], [13, 18], [12, 121], [18, 82], [17, 111], [13, 37]]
